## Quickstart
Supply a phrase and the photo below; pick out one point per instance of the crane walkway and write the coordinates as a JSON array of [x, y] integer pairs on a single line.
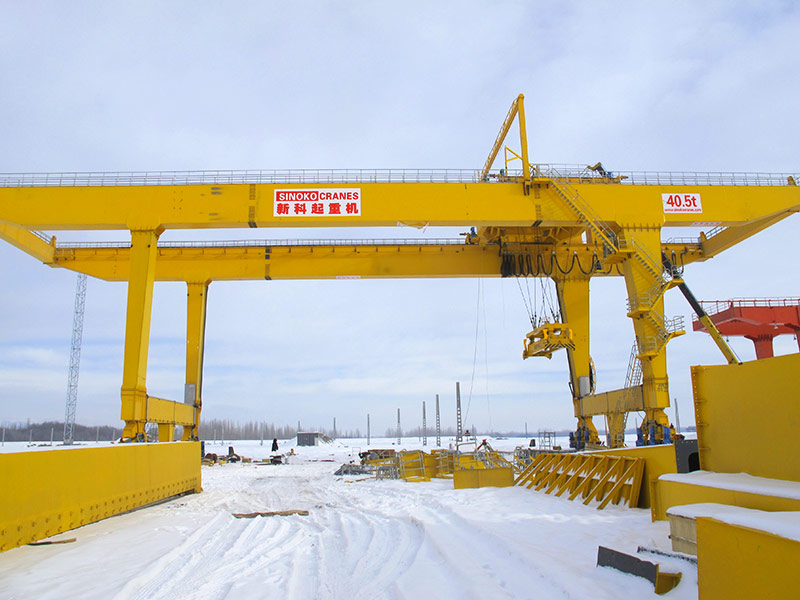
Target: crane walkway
[[574, 174]]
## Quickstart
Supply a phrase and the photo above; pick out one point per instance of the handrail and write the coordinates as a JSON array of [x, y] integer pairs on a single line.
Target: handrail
[[712, 307], [42, 236], [580, 174], [216, 177], [273, 243], [574, 174]]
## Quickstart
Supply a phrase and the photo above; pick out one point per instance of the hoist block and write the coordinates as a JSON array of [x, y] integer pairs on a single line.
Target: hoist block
[[546, 339]]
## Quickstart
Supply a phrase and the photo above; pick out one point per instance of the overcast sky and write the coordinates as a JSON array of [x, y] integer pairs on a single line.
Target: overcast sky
[[114, 86]]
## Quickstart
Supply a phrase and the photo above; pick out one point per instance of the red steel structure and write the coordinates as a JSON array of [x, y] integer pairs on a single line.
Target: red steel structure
[[757, 319]]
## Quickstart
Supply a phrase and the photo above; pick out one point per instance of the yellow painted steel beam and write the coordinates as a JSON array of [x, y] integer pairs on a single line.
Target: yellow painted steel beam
[[169, 412], [216, 262], [197, 300], [658, 461], [734, 234], [294, 262], [523, 140], [381, 205], [27, 242], [501, 136], [605, 403], [643, 279], [735, 561], [45, 493], [137, 333], [757, 394], [477, 478], [573, 302]]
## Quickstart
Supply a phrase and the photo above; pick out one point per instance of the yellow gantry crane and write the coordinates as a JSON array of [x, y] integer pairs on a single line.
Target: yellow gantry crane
[[565, 223]]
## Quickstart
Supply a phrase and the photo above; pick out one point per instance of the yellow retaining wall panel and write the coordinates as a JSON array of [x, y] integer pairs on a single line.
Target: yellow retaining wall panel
[[658, 461], [430, 466], [747, 414], [475, 478], [468, 461], [739, 562], [45, 493], [674, 493]]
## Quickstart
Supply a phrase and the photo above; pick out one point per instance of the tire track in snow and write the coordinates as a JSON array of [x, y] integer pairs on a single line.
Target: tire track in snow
[[183, 557], [202, 566]]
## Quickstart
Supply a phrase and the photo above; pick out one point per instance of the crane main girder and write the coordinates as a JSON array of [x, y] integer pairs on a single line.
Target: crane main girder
[[160, 207]]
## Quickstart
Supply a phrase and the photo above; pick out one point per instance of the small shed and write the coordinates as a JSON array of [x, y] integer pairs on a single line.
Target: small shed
[[308, 438]]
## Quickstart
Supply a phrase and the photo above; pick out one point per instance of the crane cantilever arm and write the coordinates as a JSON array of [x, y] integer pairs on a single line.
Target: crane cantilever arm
[[26, 241], [707, 322]]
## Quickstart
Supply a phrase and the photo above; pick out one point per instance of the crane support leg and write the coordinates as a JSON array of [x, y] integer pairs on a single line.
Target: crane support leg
[[197, 299], [645, 285], [137, 333], [573, 302]]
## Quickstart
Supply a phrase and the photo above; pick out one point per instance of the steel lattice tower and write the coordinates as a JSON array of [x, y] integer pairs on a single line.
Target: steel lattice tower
[[75, 359], [438, 425], [459, 426], [424, 426], [399, 431]]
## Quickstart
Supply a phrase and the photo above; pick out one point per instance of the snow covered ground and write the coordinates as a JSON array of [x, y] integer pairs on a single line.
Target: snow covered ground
[[363, 538]]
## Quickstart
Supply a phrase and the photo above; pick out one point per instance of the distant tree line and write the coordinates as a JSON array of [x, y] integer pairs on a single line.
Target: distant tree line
[[222, 429], [41, 432]]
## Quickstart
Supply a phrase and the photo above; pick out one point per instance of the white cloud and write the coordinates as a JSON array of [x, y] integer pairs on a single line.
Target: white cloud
[[124, 86]]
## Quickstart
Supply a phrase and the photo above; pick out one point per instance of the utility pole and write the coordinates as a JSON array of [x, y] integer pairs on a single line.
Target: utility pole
[[334, 427], [459, 426], [438, 425], [399, 431], [368, 442], [75, 359], [424, 426]]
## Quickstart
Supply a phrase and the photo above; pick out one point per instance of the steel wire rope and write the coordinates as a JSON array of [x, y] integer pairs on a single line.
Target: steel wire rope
[[475, 346], [486, 361], [547, 299], [528, 308]]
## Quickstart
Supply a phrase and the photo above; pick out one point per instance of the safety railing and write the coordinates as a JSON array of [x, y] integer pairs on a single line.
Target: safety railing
[[584, 211], [716, 230], [581, 174], [278, 176], [563, 173], [273, 243], [683, 241], [41, 235], [713, 307]]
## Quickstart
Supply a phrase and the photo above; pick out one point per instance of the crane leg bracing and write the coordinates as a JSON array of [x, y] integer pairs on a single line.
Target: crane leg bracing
[[646, 285], [573, 303], [139, 408], [197, 300]]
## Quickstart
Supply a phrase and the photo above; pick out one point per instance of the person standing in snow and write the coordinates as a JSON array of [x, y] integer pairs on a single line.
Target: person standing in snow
[[274, 444]]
